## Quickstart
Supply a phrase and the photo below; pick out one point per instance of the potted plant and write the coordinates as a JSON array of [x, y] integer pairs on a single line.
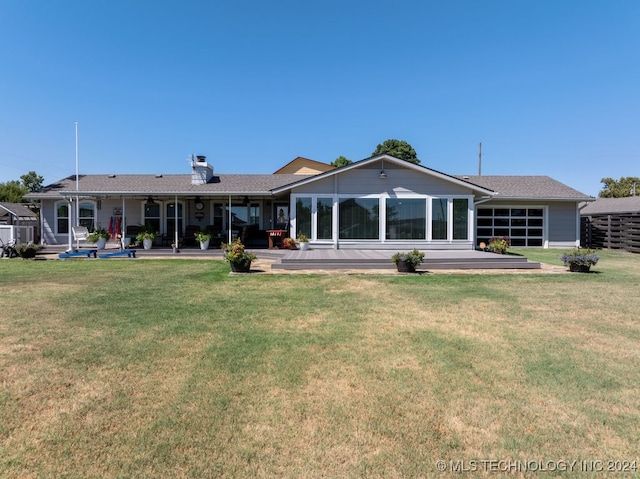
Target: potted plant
[[407, 262], [146, 238], [499, 244], [303, 241], [99, 236], [203, 237], [238, 258], [27, 250], [580, 260]]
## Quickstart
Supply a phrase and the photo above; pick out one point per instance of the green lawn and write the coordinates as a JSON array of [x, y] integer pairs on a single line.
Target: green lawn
[[174, 368]]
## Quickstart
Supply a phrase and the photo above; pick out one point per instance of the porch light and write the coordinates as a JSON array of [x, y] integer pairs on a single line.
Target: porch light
[[245, 201], [199, 203], [150, 201], [382, 174]]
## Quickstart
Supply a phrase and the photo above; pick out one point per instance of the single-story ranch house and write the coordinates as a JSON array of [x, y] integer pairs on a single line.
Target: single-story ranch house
[[378, 203]]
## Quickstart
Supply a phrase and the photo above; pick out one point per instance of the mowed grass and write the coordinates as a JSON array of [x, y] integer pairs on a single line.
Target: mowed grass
[[174, 368]]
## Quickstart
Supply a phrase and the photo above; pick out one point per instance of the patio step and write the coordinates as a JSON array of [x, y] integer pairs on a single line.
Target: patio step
[[497, 262]]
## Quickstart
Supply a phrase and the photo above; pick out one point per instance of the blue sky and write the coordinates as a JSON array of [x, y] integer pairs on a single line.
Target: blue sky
[[548, 87]]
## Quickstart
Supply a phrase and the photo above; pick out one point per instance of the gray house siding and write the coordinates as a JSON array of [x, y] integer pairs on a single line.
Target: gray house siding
[[564, 226], [367, 181]]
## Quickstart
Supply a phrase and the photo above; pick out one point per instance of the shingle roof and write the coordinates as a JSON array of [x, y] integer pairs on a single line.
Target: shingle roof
[[527, 187], [166, 184], [630, 204], [18, 209]]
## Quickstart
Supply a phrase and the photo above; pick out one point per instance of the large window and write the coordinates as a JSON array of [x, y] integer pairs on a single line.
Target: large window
[[62, 218], [325, 218], [152, 216], [406, 218], [524, 226], [359, 218], [303, 216], [171, 218], [87, 215], [439, 215]]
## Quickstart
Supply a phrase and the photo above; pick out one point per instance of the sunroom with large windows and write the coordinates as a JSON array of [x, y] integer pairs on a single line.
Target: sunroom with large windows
[[382, 219]]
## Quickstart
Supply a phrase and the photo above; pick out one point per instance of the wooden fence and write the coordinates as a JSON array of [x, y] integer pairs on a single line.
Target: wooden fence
[[611, 232]]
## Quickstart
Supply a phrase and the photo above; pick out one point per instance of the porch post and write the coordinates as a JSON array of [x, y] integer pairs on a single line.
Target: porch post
[[123, 226], [70, 226], [229, 221], [175, 228]]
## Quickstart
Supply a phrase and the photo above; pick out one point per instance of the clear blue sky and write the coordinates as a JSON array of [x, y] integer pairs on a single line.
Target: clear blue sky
[[550, 87]]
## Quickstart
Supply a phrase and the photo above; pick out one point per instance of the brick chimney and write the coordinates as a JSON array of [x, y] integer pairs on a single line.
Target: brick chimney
[[201, 172]]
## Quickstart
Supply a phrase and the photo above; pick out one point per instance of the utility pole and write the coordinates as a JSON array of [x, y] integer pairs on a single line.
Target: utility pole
[[480, 159]]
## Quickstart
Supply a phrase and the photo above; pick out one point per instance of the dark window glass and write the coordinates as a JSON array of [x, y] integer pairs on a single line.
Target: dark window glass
[[303, 216], [359, 218], [460, 219], [325, 218], [406, 218], [439, 218]]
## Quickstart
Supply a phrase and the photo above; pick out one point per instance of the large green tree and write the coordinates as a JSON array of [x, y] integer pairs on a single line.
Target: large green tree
[[397, 148], [625, 186], [12, 191], [32, 181], [341, 161]]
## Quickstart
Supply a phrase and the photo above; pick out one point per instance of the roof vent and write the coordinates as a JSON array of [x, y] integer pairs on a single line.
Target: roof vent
[[159, 176]]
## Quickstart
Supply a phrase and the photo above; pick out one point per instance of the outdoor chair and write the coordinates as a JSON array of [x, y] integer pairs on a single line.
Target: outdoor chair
[[80, 233]]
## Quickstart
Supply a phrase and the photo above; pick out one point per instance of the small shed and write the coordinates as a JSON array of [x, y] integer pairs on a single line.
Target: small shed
[[18, 222], [612, 223]]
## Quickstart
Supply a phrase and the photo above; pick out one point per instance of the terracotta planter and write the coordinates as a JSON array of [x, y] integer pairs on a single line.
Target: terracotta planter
[[579, 268], [405, 267], [241, 267]]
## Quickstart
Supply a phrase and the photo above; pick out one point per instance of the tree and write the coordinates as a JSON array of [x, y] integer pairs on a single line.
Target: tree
[[626, 186], [399, 149], [32, 181], [12, 191], [341, 161]]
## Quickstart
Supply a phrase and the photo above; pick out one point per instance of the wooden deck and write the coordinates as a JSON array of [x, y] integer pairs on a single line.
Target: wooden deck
[[381, 259], [328, 259]]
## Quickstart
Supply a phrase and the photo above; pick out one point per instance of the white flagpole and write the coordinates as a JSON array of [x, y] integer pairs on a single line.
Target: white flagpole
[[77, 181]]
